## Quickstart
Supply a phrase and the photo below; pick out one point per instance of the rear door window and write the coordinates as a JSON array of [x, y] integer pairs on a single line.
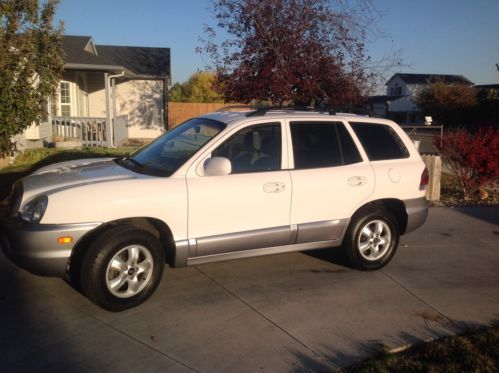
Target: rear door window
[[380, 141], [322, 144]]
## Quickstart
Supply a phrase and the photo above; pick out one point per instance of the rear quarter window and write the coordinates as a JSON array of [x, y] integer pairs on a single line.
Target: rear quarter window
[[380, 141]]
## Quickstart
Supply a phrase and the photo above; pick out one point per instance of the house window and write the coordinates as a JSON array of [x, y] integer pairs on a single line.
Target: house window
[[397, 91], [65, 99]]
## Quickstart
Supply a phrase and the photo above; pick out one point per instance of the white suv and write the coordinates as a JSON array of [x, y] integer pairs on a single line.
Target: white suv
[[222, 186]]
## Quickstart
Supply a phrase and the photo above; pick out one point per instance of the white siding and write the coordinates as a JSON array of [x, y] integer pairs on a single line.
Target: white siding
[[142, 102], [38, 132]]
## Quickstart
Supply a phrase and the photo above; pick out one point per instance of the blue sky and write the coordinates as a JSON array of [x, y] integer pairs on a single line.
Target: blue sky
[[435, 36]]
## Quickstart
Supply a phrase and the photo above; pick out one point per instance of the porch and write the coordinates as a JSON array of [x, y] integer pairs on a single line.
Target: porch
[[89, 131]]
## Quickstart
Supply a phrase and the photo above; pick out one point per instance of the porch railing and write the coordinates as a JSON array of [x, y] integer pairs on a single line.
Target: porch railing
[[91, 131]]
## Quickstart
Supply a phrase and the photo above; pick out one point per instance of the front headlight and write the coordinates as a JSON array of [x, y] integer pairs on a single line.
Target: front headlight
[[33, 211]]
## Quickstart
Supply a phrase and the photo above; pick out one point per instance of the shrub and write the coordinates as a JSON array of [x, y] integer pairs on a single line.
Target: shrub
[[472, 157]]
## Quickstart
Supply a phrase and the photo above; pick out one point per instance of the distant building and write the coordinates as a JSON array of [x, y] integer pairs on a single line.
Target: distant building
[[399, 103], [107, 94]]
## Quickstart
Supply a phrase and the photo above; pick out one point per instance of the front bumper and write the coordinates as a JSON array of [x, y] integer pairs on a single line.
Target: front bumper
[[34, 247], [417, 212]]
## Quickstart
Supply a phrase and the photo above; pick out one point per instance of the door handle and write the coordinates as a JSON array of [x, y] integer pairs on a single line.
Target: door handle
[[357, 180], [274, 187]]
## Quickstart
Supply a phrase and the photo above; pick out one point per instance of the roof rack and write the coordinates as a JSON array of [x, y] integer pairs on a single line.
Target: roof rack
[[321, 109], [257, 111], [235, 106]]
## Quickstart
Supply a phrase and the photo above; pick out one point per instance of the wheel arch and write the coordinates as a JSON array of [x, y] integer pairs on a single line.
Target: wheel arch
[[155, 227], [395, 206]]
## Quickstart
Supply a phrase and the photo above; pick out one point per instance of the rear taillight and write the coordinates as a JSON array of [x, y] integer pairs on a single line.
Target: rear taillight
[[425, 179]]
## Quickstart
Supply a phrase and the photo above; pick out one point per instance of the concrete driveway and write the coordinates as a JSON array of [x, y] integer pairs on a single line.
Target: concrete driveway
[[291, 312]]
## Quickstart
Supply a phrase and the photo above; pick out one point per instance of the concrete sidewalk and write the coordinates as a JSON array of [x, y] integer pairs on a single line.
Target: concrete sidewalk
[[291, 312]]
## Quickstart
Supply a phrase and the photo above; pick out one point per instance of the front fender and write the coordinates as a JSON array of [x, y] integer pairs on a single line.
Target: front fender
[[160, 198]]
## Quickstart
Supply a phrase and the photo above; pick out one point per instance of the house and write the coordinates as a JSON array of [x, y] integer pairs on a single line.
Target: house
[[487, 91], [399, 103], [107, 94]]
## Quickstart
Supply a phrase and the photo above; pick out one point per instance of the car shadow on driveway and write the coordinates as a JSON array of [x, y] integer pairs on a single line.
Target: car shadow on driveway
[[334, 255], [487, 214], [33, 334]]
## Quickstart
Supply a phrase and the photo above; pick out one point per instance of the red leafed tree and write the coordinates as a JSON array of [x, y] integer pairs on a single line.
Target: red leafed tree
[[291, 51], [472, 157]]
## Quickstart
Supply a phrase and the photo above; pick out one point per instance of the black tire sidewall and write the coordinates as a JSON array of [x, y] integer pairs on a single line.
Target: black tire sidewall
[[353, 233], [100, 253]]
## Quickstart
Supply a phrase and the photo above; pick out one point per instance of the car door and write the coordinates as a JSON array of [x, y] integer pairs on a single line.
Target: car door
[[250, 207], [330, 178]]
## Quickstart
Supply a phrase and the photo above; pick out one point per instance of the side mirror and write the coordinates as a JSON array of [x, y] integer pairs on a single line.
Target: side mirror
[[217, 166]]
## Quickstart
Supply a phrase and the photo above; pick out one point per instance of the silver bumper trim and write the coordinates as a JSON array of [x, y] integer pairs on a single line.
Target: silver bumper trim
[[34, 247], [417, 212]]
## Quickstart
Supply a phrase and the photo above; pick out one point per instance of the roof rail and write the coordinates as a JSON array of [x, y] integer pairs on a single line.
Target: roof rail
[[235, 106], [256, 111], [321, 109], [261, 111]]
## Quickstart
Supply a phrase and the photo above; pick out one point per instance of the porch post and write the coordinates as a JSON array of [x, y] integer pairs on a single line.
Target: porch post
[[165, 104], [109, 138]]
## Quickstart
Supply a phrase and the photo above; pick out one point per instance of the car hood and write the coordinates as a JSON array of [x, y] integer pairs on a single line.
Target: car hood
[[70, 174]]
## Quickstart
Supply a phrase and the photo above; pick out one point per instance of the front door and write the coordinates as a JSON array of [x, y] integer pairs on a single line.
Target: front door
[[249, 208]]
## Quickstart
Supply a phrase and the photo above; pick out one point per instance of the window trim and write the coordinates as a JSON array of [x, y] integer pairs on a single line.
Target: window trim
[[72, 97]]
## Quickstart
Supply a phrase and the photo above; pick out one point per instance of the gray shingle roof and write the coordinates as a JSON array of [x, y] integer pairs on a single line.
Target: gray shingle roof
[[432, 78], [75, 53], [142, 62]]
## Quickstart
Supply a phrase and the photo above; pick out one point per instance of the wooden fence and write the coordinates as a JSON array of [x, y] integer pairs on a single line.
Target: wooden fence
[[179, 112], [434, 165]]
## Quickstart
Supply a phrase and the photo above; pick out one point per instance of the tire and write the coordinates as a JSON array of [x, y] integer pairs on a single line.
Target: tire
[[371, 239], [122, 268]]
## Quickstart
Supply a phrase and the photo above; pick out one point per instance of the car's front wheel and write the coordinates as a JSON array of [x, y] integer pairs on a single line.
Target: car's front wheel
[[122, 268], [372, 239]]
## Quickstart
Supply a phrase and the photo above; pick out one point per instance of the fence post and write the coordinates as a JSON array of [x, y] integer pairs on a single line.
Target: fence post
[[434, 165]]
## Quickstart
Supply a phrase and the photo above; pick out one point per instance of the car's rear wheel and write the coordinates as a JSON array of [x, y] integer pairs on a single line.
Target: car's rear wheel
[[372, 239], [122, 268]]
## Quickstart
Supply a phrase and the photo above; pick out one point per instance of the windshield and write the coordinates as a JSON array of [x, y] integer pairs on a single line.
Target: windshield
[[168, 152]]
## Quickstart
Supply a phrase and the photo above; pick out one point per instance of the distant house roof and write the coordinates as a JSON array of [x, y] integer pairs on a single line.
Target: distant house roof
[[137, 62], [432, 78], [381, 99], [487, 86]]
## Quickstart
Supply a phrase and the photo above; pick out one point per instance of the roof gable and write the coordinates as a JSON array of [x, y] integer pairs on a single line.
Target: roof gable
[[137, 62], [80, 50]]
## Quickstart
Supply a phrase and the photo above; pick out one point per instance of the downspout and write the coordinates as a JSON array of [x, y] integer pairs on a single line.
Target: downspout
[[112, 113]]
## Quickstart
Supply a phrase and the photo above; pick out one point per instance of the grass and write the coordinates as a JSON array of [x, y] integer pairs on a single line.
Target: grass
[[32, 159], [477, 351]]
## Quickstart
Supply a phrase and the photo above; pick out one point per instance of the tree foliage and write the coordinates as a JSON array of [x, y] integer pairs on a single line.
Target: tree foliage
[[30, 65], [199, 88], [447, 104], [472, 157], [299, 51]]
